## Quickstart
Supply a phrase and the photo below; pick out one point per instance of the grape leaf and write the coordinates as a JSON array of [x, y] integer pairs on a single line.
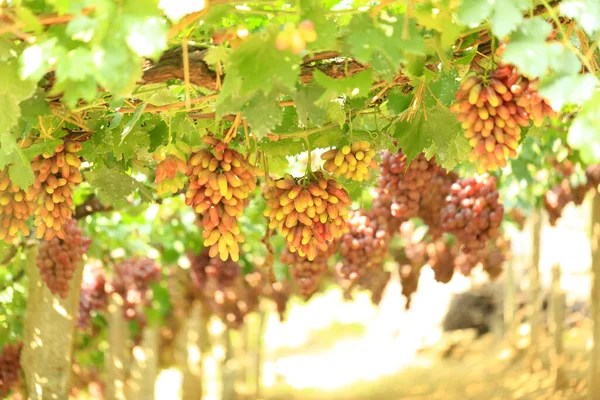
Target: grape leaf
[[113, 186], [13, 90], [330, 137], [398, 101], [312, 10], [35, 107], [308, 111], [533, 55], [584, 133], [217, 54], [19, 168], [442, 89], [437, 15], [355, 86], [410, 136], [585, 12], [147, 37], [336, 113], [263, 113], [176, 9], [384, 48], [504, 15], [568, 89]]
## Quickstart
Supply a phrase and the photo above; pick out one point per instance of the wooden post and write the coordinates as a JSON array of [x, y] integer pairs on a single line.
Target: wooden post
[[144, 366], [594, 378], [510, 304], [194, 344], [117, 356], [535, 302], [228, 369], [558, 320], [48, 335], [259, 351]]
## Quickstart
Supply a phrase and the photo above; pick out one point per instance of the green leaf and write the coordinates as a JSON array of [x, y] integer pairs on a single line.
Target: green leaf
[[82, 28], [35, 60], [217, 54], [34, 107], [175, 10], [385, 45], [398, 101], [585, 12], [312, 10], [19, 168], [117, 68], [308, 111], [438, 16], [534, 56], [9, 112], [328, 138], [355, 86], [504, 15], [263, 114], [131, 123], [568, 89], [147, 37], [442, 89], [336, 113], [39, 148], [113, 186], [11, 84], [75, 65], [584, 133], [27, 17], [157, 94], [410, 137]]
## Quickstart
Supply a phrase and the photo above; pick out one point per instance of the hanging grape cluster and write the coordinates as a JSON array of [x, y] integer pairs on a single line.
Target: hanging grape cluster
[[498, 251], [492, 108], [441, 256], [405, 183], [433, 200], [58, 259], [364, 246], [93, 296], [131, 281], [351, 162], [309, 212], [307, 273], [374, 280], [222, 284], [280, 292], [56, 175], [171, 168], [221, 180], [473, 213], [10, 368], [410, 261], [15, 209]]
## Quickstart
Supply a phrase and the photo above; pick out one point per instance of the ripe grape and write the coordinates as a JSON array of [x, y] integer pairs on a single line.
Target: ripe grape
[[374, 280], [433, 200], [10, 368], [405, 183], [56, 175], [93, 296], [15, 209], [473, 212], [351, 162], [58, 258], [556, 199], [441, 256], [221, 180], [307, 273], [310, 212], [364, 246], [131, 281]]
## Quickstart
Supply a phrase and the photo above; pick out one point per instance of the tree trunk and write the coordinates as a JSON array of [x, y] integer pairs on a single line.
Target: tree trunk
[[117, 355], [535, 317], [192, 347], [144, 366], [594, 378], [48, 335]]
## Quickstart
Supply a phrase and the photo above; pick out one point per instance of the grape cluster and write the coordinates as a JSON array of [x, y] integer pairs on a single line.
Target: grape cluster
[[492, 108], [227, 293], [10, 368], [405, 183], [280, 292], [309, 212], [364, 246], [441, 256], [15, 209], [375, 281], [56, 175], [131, 281], [307, 273], [556, 199], [498, 251], [473, 212], [93, 295], [171, 167], [295, 38], [433, 200], [410, 260], [351, 162], [221, 179], [58, 259], [592, 173]]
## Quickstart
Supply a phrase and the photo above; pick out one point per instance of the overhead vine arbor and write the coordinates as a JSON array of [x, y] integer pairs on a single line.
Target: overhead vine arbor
[[241, 130]]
